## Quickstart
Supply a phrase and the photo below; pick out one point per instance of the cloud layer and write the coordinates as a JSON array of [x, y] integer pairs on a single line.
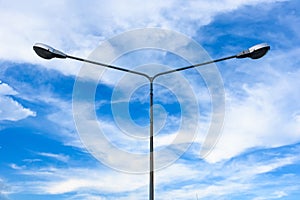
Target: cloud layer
[[78, 28], [205, 181], [257, 155]]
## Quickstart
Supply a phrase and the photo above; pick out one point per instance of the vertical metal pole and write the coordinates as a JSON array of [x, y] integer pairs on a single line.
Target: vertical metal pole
[[151, 185]]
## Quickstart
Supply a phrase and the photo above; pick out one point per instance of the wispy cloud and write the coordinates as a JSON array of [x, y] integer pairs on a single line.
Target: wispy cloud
[[265, 110], [251, 174], [246, 173], [61, 181], [11, 109], [59, 157], [16, 167], [4, 191], [52, 109]]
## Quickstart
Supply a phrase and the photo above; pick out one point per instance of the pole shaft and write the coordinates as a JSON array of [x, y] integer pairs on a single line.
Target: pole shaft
[[151, 185]]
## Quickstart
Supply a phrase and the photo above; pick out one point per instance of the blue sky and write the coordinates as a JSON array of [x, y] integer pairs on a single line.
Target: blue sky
[[42, 155]]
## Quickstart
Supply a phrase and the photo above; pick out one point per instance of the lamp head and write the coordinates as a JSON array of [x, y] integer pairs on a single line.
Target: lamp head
[[255, 52], [47, 52]]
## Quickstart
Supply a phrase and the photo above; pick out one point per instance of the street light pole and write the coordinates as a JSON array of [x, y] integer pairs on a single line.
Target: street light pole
[[48, 52], [151, 175]]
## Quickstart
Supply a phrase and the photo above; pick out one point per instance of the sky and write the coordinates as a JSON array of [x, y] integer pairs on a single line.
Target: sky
[[75, 131]]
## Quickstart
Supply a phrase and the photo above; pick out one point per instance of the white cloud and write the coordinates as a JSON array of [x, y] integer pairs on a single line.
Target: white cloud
[[87, 197], [246, 174], [60, 181], [13, 110], [78, 28], [59, 157], [16, 167], [59, 111], [6, 89], [63, 117], [10, 109], [274, 195], [4, 190], [266, 115], [224, 178], [58, 118]]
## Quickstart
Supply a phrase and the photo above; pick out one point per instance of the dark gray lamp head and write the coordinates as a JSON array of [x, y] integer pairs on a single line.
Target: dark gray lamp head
[[255, 52], [47, 52]]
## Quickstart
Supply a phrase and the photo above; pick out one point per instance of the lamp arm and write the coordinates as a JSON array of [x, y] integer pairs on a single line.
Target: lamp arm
[[193, 66], [109, 66]]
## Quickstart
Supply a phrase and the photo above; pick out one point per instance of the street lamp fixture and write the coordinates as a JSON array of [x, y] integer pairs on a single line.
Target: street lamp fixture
[[47, 52], [255, 52]]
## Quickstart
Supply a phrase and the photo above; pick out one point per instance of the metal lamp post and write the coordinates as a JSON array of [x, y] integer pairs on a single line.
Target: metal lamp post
[[48, 52]]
